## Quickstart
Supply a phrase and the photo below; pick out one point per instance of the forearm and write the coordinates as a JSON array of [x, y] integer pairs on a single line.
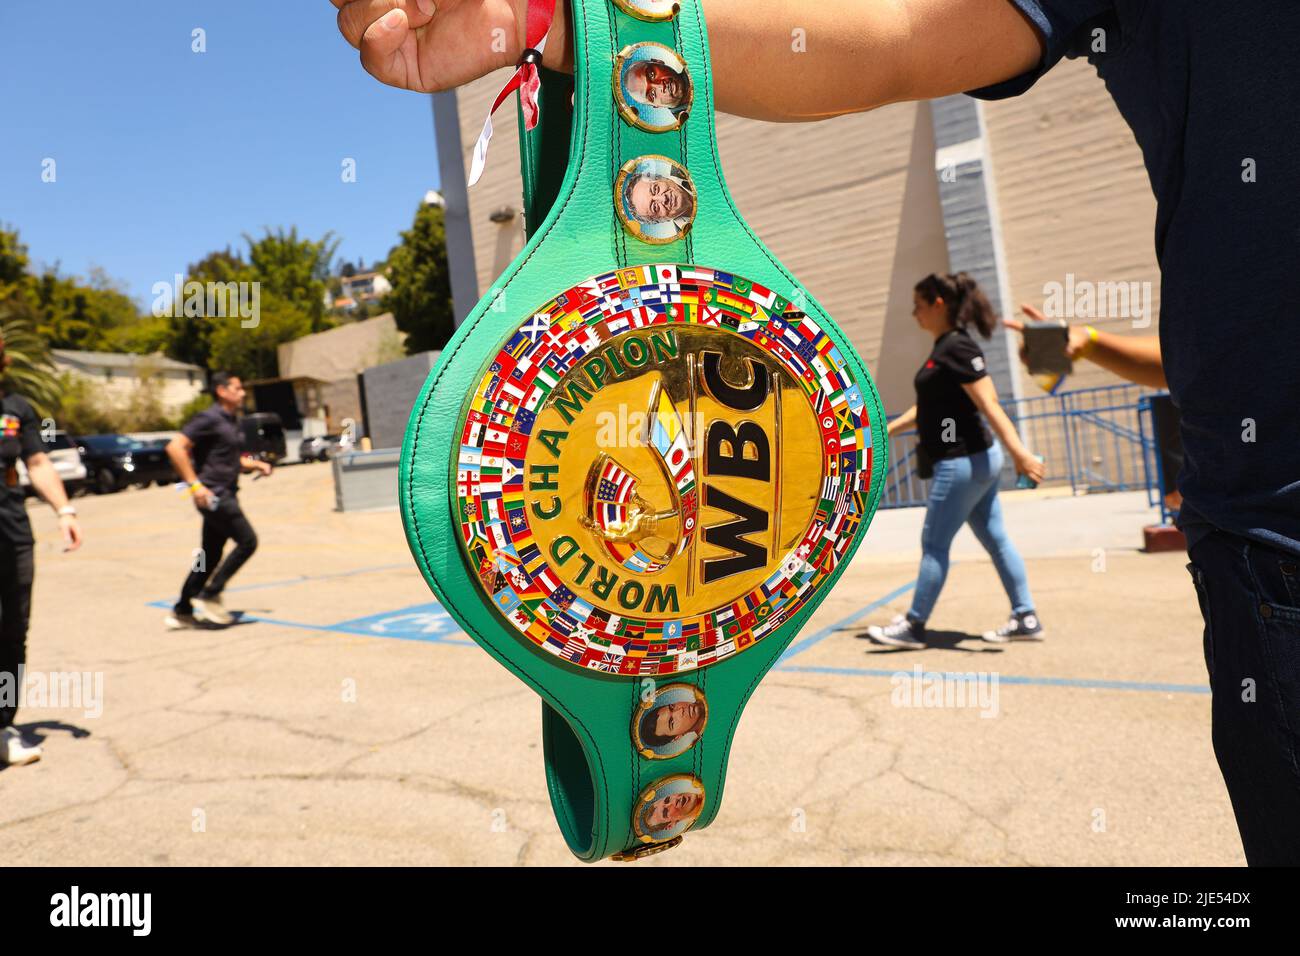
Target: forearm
[[248, 463], [1135, 358], [795, 61], [1004, 429], [798, 60], [180, 459], [47, 483], [903, 421]]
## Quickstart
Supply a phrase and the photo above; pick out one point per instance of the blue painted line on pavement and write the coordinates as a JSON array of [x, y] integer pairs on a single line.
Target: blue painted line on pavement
[[1081, 682], [431, 624], [420, 622], [798, 647]]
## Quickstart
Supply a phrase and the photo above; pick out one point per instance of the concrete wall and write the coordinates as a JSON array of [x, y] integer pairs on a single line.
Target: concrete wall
[[1073, 196], [341, 352], [391, 391], [342, 399]]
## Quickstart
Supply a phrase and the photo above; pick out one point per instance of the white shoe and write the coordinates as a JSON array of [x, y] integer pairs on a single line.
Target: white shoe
[[13, 751], [900, 632], [180, 622], [1021, 627], [211, 610]]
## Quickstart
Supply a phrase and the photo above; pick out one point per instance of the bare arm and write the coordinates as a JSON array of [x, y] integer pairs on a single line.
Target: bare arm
[[903, 422], [859, 54], [47, 483], [985, 398], [1134, 358], [178, 450], [248, 463], [780, 60]]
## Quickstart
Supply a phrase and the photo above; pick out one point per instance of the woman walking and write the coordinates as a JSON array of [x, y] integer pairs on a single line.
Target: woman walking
[[952, 389]]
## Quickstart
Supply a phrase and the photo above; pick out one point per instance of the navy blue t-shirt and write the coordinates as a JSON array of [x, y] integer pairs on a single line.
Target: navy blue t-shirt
[[1211, 90], [218, 447]]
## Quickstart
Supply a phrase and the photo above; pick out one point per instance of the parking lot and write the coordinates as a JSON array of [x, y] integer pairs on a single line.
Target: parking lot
[[347, 719]]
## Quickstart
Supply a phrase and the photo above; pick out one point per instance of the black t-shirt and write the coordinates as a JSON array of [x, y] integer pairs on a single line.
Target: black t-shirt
[[1211, 91], [947, 420], [20, 437], [217, 441]]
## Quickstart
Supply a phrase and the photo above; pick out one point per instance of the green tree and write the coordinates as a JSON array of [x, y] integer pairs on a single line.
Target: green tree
[[295, 270], [190, 339], [251, 352], [29, 371], [13, 262], [421, 296], [90, 315]]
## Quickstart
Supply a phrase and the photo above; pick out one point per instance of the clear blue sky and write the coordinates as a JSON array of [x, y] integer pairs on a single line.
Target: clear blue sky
[[164, 155]]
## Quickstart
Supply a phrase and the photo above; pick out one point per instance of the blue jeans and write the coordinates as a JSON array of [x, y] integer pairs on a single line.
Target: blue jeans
[[965, 491], [1250, 601]]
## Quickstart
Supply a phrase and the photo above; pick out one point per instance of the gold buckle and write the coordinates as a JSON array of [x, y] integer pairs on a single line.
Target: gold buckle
[[631, 856]]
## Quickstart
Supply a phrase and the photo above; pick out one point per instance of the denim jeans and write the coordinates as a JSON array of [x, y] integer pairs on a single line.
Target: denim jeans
[[965, 491], [1250, 601]]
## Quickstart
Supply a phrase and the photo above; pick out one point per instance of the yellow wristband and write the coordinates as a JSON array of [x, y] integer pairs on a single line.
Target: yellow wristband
[[1088, 346]]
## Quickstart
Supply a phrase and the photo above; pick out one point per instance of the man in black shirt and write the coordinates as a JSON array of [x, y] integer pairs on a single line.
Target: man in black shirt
[[20, 438], [214, 438]]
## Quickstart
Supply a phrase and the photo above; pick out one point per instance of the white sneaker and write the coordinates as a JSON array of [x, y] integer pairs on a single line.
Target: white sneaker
[[900, 632], [13, 751], [180, 622], [210, 609], [1021, 627]]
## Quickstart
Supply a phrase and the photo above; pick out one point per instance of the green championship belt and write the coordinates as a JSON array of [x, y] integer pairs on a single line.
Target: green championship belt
[[647, 454]]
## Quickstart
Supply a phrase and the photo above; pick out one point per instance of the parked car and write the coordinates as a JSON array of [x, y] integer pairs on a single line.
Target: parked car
[[63, 452], [321, 447], [264, 436], [116, 461]]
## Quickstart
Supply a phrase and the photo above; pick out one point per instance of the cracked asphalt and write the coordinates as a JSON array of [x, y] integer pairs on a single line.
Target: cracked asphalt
[[311, 734]]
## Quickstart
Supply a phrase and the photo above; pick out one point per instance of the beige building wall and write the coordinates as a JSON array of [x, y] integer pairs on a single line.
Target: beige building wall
[[851, 206], [341, 352], [1073, 197], [117, 384]]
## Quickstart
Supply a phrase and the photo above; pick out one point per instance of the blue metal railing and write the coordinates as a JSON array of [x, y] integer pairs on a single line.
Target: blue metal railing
[[1093, 439]]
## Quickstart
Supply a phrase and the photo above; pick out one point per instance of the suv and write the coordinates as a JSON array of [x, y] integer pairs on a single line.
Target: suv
[[63, 452], [115, 461]]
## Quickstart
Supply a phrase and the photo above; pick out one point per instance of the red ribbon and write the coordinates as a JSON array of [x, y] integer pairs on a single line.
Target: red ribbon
[[526, 78]]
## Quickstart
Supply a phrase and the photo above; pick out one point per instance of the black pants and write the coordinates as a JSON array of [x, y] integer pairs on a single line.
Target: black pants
[[209, 573], [16, 572], [1250, 599]]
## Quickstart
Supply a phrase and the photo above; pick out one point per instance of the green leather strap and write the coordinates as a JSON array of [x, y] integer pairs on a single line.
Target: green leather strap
[[598, 770]]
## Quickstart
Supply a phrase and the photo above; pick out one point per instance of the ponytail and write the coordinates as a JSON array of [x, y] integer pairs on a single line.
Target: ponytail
[[966, 301]]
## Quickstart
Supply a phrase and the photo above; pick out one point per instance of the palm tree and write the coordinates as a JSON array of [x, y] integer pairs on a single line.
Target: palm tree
[[29, 371]]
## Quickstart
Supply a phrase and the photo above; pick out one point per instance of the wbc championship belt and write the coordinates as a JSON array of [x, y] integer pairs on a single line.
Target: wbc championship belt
[[647, 454]]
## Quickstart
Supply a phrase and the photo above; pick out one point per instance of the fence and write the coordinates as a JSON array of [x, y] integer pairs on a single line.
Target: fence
[[1092, 438]]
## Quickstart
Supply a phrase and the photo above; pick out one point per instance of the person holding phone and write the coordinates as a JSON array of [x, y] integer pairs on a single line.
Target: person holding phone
[[1134, 358], [965, 464]]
